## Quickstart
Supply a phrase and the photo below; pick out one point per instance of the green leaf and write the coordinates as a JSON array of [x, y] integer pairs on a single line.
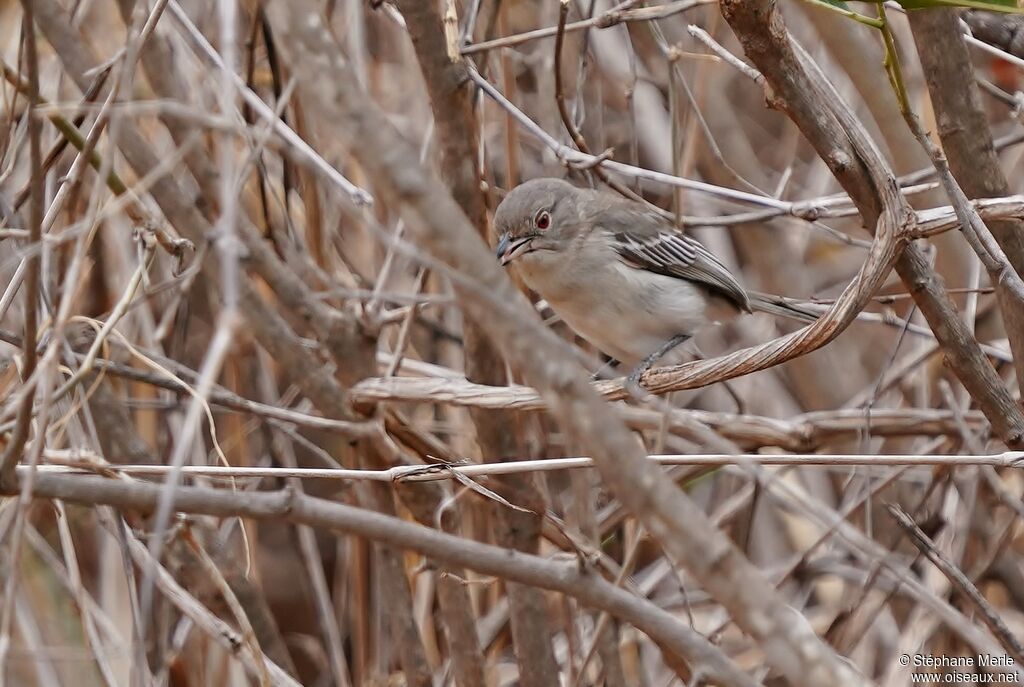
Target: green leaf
[[841, 4], [1007, 6]]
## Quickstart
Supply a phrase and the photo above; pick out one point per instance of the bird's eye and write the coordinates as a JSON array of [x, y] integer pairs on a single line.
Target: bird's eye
[[542, 220]]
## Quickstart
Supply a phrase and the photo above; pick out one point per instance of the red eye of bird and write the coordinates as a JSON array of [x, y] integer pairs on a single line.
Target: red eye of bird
[[543, 220]]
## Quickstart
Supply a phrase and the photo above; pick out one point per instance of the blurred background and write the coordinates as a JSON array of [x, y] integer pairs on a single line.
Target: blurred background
[[125, 79]]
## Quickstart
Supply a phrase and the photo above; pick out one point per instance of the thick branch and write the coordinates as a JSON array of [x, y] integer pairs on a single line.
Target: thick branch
[[800, 89], [456, 132], [566, 577], [342, 336], [968, 145], [682, 528]]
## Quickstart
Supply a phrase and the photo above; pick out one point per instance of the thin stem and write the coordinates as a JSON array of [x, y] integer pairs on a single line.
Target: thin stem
[[849, 14], [35, 223], [63, 461], [892, 61]]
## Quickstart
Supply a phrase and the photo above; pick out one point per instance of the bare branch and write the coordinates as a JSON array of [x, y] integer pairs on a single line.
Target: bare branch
[[805, 94], [566, 577]]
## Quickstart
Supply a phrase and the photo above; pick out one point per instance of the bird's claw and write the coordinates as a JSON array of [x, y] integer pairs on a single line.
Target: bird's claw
[[633, 385]]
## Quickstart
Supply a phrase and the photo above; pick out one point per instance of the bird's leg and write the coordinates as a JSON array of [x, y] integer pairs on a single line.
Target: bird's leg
[[602, 372], [633, 380]]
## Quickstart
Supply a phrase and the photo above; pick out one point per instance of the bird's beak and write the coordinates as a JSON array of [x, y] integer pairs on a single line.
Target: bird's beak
[[509, 249]]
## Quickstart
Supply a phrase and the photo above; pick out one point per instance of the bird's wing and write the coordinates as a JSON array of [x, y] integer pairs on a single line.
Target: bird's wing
[[675, 255]]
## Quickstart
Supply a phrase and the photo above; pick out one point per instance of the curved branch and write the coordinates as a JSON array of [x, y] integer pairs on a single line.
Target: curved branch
[[799, 88], [682, 528], [569, 578]]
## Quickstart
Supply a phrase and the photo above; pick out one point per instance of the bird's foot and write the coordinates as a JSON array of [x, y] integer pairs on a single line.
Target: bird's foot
[[602, 372], [633, 385]]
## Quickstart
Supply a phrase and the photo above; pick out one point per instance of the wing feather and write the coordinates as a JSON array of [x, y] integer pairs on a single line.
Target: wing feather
[[676, 255]]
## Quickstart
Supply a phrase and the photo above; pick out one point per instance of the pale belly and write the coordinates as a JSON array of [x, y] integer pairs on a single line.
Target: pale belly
[[634, 313]]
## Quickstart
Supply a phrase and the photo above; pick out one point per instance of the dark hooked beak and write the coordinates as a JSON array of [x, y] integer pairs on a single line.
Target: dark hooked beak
[[509, 249]]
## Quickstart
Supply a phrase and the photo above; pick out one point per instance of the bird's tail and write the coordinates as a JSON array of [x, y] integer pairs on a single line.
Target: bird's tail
[[781, 307], [802, 311]]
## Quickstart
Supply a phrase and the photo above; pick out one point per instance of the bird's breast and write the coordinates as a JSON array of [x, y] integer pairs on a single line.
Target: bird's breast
[[625, 312]]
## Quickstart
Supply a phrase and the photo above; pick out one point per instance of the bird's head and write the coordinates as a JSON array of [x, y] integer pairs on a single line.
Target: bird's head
[[535, 220]]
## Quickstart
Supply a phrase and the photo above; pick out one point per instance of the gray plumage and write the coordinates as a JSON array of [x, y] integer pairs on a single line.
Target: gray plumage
[[615, 271]]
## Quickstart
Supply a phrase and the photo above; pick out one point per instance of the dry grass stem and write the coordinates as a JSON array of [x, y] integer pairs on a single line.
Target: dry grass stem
[[272, 412]]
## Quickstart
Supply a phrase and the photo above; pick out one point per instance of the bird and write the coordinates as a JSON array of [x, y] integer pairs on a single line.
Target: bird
[[617, 272]]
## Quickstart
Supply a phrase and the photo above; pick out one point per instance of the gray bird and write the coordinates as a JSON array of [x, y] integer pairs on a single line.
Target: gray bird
[[616, 272]]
